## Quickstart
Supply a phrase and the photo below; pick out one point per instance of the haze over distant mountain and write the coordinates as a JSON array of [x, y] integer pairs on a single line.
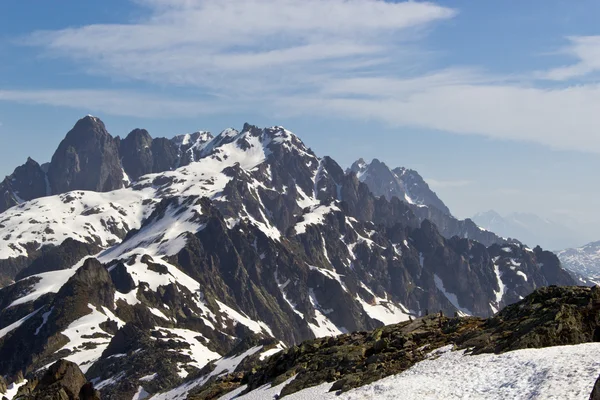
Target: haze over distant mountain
[[584, 261], [530, 229], [155, 261]]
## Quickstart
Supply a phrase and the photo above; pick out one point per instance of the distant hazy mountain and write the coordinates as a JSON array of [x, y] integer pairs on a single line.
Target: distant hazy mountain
[[583, 261], [530, 229]]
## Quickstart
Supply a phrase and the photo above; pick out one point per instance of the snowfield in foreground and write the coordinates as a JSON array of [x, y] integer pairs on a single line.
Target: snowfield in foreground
[[562, 372]]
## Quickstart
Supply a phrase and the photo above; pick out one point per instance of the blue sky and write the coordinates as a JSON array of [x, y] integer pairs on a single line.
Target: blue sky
[[496, 104]]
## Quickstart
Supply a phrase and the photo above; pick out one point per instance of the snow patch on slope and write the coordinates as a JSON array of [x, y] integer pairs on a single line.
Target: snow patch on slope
[[558, 373], [450, 296]]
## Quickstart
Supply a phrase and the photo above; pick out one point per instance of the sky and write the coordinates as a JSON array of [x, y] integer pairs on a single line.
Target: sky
[[496, 104]]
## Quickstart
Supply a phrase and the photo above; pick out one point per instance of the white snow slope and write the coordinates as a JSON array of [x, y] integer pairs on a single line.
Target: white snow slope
[[562, 372]]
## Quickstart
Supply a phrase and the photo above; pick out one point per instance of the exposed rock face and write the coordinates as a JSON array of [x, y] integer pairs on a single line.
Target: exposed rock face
[[87, 159], [450, 226], [418, 190], [53, 258], [90, 287], [191, 146], [165, 155], [63, 380], [27, 182], [141, 155], [136, 154]]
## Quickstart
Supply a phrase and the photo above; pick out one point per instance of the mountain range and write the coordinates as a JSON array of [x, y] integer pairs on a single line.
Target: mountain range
[[406, 184], [142, 259]]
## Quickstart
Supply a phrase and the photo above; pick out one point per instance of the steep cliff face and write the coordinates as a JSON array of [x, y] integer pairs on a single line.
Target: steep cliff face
[[141, 155], [87, 159]]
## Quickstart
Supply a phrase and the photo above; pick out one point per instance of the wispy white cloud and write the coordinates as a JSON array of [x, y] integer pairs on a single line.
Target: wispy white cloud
[[586, 50], [352, 59], [224, 45], [563, 118]]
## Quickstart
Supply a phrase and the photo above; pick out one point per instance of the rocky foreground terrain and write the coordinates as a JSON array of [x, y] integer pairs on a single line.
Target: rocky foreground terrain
[[553, 316], [548, 317]]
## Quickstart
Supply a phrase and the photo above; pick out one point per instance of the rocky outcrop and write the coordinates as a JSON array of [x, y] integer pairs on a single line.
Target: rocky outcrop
[[35, 343], [87, 159], [141, 155], [63, 380], [548, 317], [136, 154], [54, 258]]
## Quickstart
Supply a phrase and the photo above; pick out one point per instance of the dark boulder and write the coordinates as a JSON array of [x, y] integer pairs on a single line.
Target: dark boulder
[[122, 279], [63, 381]]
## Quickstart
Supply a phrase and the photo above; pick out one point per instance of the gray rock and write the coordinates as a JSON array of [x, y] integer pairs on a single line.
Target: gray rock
[[87, 159]]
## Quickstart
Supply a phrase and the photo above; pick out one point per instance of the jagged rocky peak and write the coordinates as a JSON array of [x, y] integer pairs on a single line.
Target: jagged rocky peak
[[136, 154], [406, 184], [190, 146], [27, 182], [409, 187], [418, 190], [87, 159], [141, 155]]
